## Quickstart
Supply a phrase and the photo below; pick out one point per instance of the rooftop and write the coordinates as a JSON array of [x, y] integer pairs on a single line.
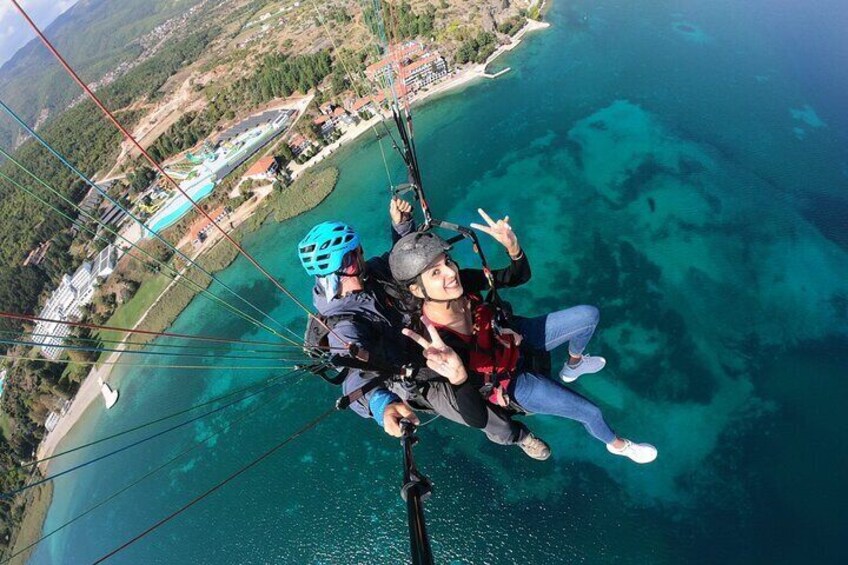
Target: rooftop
[[261, 166], [396, 54], [361, 103], [426, 60]]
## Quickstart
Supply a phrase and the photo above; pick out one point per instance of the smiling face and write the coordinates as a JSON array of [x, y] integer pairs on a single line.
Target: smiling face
[[440, 280]]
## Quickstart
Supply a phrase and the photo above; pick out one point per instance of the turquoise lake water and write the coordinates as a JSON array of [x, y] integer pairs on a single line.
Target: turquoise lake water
[[683, 166]]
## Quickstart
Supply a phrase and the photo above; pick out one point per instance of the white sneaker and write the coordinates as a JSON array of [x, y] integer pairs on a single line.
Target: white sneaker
[[638, 452], [587, 365]]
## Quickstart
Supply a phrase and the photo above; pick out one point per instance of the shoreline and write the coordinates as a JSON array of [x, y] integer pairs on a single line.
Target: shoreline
[[89, 390]]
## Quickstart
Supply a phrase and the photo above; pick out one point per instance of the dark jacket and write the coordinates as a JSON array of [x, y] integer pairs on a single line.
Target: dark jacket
[[373, 326]]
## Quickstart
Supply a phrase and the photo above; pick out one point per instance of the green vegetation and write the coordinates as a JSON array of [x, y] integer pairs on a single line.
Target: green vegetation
[[305, 193], [19, 291], [145, 80], [95, 36], [33, 388], [141, 178], [401, 21], [129, 313], [277, 77], [5, 425], [512, 25], [32, 512], [477, 49], [183, 134]]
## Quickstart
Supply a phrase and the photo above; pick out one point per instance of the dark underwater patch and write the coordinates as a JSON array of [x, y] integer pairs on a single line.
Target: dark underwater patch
[[625, 285], [687, 166], [638, 178], [574, 149], [830, 216]]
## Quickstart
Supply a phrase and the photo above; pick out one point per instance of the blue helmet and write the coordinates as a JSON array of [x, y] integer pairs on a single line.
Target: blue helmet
[[324, 247]]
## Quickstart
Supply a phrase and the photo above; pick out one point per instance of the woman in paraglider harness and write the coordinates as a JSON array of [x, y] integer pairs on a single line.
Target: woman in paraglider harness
[[470, 339]]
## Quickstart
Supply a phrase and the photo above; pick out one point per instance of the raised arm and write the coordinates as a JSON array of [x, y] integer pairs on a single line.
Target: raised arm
[[517, 273], [402, 222]]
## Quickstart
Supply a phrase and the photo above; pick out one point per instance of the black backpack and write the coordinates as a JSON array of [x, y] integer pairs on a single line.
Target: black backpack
[[316, 344]]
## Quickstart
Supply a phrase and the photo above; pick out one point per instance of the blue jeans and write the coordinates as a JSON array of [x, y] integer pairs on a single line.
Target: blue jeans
[[541, 395], [574, 325]]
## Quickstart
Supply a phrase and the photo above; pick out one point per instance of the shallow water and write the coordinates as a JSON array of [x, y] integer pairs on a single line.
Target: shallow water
[[651, 162]]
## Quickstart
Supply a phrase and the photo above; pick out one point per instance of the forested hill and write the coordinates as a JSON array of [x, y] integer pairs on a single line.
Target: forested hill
[[96, 36]]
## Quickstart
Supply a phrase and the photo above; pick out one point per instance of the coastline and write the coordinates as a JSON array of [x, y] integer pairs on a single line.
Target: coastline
[[89, 390], [478, 71], [22, 546]]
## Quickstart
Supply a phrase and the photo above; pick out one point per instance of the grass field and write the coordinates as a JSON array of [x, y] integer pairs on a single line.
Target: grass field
[[128, 314]]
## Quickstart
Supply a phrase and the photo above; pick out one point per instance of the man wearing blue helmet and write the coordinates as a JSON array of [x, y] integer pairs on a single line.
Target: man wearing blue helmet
[[349, 293]]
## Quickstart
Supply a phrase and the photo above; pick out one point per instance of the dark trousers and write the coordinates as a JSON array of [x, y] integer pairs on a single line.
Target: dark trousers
[[465, 405]]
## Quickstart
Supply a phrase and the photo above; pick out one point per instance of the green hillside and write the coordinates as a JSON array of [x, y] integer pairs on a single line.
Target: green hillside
[[95, 36]]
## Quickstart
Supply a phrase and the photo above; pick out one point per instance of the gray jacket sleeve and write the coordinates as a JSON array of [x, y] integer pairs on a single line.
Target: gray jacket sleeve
[[402, 229]]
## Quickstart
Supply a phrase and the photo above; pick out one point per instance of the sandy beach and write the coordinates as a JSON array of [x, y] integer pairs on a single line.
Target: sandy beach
[[89, 391]]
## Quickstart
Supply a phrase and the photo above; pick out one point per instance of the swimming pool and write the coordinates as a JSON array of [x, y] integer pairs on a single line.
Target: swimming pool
[[178, 206]]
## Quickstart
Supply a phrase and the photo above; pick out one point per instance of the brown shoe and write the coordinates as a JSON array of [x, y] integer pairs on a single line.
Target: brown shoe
[[535, 447]]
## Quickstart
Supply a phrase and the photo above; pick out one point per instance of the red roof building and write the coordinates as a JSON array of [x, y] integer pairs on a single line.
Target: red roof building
[[299, 144], [361, 103], [397, 55], [264, 168]]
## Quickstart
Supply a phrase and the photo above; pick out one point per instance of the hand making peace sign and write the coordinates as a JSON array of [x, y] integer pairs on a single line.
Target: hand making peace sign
[[440, 358], [501, 231]]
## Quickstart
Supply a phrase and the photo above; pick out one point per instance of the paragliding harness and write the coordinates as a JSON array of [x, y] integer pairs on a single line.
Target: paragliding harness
[[316, 344], [416, 487], [334, 368], [493, 351]]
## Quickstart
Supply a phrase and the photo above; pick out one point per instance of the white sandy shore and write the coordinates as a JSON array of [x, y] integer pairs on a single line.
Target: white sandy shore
[[89, 391]]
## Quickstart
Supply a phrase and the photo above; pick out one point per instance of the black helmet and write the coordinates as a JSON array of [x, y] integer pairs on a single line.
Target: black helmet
[[413, 253]]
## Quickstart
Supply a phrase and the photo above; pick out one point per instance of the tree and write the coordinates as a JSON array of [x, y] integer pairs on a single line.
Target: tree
[[338, 80], [141, 178], [19, 291]]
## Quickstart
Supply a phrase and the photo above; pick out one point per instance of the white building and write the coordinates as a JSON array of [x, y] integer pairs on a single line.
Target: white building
[[66, 302]]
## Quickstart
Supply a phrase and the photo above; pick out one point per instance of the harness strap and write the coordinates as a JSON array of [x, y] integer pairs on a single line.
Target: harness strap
[[348, 399]]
